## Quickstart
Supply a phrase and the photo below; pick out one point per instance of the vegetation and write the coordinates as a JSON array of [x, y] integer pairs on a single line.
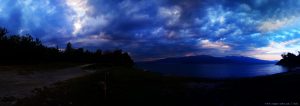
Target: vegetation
[[24, 49], [290, 60]]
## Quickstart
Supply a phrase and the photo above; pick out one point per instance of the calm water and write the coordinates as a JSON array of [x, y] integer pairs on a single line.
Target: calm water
[[214, 70]]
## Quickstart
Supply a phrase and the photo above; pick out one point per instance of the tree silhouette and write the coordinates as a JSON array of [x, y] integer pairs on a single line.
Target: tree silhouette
[[69, 47], [3, 32], [290, 60], [17, 49]]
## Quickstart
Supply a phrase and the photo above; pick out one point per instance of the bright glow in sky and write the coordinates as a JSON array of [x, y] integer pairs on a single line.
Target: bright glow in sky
[[151, 29]]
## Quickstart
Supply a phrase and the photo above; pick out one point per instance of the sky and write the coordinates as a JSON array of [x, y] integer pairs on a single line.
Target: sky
[[153, 29]]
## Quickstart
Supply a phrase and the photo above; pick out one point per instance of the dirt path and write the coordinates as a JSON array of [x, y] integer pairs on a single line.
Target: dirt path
[[14, 84]]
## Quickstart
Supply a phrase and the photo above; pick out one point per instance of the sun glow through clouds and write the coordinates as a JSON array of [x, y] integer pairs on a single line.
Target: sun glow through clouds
[[80, 9]]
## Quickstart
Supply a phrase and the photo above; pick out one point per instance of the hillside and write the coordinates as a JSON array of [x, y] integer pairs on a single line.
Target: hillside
[[206, 59]]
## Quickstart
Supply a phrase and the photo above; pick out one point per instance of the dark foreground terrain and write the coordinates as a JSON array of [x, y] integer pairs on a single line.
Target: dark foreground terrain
[[110, 86]]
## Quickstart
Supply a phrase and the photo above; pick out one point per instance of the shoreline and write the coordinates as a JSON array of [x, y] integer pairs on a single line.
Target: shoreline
[[131, 84]]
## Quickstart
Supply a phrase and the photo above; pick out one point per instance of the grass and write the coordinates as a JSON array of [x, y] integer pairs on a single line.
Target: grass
[[111, 86]]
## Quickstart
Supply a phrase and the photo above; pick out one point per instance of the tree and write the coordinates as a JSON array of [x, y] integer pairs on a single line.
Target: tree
[[3, 32], [69, 47], [24, 49], [127, 59], [38, 42], [290, 60], [98, 52]]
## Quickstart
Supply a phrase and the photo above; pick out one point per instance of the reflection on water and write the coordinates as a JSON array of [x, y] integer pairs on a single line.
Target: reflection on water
[[215, 70]]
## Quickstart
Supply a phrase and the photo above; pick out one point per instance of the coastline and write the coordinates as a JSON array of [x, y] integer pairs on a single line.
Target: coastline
[[129, 85]]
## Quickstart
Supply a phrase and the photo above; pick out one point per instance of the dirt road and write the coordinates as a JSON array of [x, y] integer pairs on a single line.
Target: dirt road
[[13, 83]]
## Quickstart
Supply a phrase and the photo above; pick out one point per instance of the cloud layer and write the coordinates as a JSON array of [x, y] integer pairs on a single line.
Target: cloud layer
[[151, 29]]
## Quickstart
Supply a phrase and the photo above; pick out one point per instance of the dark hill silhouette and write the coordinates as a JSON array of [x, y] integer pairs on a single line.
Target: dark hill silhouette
[[192, 60], [24, 49], [249, 60], [206, 59]]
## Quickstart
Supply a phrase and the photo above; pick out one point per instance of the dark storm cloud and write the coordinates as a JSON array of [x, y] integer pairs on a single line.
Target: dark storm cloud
[[43, 19], [160, 28]]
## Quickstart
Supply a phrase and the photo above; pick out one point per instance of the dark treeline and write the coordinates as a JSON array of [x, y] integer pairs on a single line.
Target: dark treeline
[[290, 60], [24, 49]]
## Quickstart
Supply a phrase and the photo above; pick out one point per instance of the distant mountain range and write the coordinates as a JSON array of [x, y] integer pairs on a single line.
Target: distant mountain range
[[206, 59]]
